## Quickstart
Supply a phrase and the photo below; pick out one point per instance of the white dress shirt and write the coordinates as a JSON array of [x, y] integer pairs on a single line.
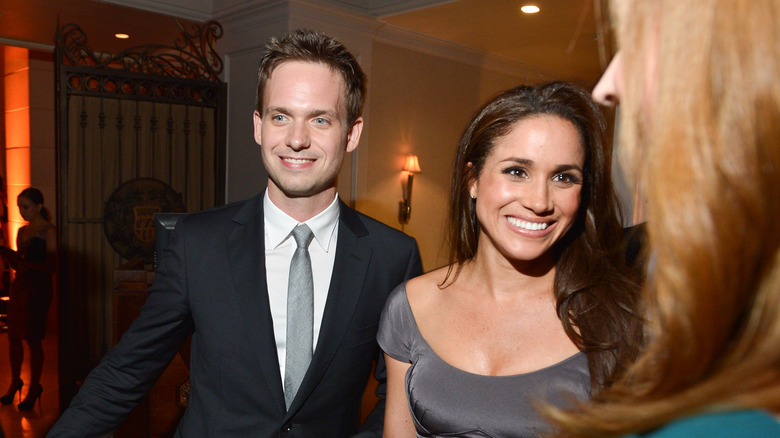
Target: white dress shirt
[[279, 249]]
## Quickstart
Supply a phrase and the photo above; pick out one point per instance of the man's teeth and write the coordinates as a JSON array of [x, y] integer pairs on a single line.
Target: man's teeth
[[531, 226], [296, 160]]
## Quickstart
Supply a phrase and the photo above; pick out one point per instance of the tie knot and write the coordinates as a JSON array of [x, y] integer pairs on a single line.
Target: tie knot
[[302, 235]]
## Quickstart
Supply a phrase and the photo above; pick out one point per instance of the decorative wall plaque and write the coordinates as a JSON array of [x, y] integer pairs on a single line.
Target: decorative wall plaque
[[129, 216]]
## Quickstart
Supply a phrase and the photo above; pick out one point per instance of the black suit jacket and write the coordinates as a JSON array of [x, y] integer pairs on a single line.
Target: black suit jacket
[[211, 282]]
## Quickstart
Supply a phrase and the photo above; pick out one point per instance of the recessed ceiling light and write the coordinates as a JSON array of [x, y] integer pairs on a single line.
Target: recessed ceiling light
[[530, 9], [122, 36]]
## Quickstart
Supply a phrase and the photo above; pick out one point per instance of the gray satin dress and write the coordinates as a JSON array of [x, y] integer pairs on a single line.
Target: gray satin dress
[[448, 402]]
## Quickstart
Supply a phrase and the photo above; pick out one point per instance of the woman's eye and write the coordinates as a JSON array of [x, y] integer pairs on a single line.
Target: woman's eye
[[518, 172], [566, 178]]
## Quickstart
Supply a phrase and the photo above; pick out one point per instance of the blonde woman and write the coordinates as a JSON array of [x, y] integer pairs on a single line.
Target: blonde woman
[[699, 86]]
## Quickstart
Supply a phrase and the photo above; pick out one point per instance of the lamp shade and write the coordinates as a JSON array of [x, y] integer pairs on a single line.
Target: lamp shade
[[412, 164]]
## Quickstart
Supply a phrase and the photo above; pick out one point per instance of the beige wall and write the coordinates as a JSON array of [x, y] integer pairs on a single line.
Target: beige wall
[[421, 93], [28, 80], [420, 104]]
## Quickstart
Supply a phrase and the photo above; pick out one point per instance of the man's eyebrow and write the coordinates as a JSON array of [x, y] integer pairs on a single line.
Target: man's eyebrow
[[312, 113]]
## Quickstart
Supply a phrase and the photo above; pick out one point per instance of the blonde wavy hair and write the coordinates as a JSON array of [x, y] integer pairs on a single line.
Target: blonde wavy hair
[[700, 125]]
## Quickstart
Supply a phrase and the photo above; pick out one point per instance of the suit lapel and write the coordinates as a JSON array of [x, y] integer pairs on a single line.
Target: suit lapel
[[346, 285], [246, 252]]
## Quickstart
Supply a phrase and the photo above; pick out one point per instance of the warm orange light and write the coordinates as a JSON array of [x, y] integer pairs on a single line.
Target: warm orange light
[[412, 164], [530, 9], [121, 36], [17, 132]]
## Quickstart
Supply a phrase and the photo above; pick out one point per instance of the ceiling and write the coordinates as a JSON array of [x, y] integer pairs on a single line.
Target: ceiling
[[34, 23], [560, 40]]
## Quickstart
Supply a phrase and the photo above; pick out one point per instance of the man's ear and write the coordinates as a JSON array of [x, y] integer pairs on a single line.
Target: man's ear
[[258, 121], [353, 135]]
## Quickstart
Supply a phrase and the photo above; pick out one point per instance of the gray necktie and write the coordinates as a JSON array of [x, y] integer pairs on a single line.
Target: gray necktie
[[300, 309]]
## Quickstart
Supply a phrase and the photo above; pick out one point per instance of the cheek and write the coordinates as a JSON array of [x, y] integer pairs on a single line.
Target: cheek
[[491, 193], [332, 141], [569, 202], [268, 141]]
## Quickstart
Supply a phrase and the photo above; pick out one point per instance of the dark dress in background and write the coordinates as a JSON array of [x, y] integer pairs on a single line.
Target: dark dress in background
[[31, 291]]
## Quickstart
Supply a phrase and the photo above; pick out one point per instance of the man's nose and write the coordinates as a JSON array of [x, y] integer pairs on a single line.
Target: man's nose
[[298, 136]]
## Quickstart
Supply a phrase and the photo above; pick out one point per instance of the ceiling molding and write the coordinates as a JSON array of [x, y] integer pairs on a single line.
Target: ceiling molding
[[251, 15], [27, 44], [422, 43], [196, 10], [204, 10], [380, 8], [308, 12]]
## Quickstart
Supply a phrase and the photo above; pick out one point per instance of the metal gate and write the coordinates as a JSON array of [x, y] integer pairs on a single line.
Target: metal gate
[[139, 132]]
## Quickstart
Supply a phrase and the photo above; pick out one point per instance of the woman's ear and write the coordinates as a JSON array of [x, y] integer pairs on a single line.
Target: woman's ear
[[473, 180]]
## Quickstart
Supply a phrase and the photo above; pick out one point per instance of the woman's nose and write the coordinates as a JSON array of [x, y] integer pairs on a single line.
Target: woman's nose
[[537, 198], [608, 89]]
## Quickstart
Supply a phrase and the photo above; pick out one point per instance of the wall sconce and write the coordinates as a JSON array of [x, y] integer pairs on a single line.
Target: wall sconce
[[411, 166]]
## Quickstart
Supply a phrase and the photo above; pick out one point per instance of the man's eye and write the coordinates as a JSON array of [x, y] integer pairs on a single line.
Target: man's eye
[[321, 121], [277, 118]]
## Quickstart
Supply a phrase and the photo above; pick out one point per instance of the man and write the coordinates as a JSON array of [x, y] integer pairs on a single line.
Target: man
[[226, 275]]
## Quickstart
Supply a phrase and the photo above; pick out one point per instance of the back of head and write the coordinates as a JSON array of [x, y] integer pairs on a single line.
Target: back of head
[[32, 194], [310, 46], [701, 124], [36, 197], [710, 154]]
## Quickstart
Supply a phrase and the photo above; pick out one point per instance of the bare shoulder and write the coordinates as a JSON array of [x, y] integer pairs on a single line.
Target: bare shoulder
[[424, 291]]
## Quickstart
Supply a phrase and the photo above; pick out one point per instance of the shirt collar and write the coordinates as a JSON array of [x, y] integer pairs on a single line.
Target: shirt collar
[[279, 225]]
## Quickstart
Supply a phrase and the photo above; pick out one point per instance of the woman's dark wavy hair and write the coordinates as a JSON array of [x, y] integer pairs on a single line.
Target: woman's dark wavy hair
[[596, 293]]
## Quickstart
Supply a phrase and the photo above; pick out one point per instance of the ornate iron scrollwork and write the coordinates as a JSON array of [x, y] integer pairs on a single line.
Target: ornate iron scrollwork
[[191, 57]]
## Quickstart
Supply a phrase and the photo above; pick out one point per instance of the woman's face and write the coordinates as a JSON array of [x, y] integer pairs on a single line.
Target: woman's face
[[28, 209], [528, 191], [611, 87]]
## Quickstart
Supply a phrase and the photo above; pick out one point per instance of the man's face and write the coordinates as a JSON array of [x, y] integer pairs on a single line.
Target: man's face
[[303, 132]]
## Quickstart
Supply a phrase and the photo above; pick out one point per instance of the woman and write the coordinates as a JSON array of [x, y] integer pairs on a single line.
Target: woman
[[30, 294], [537, 303], [699, 86]]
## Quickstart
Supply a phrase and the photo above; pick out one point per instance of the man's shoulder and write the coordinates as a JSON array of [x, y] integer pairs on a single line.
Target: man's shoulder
[[219, 215]]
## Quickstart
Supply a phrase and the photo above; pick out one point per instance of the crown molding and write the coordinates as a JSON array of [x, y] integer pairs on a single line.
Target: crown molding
[[319, 15], [249, 15], [381, 8], [27, 44], [415, 41], [195, 10]]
